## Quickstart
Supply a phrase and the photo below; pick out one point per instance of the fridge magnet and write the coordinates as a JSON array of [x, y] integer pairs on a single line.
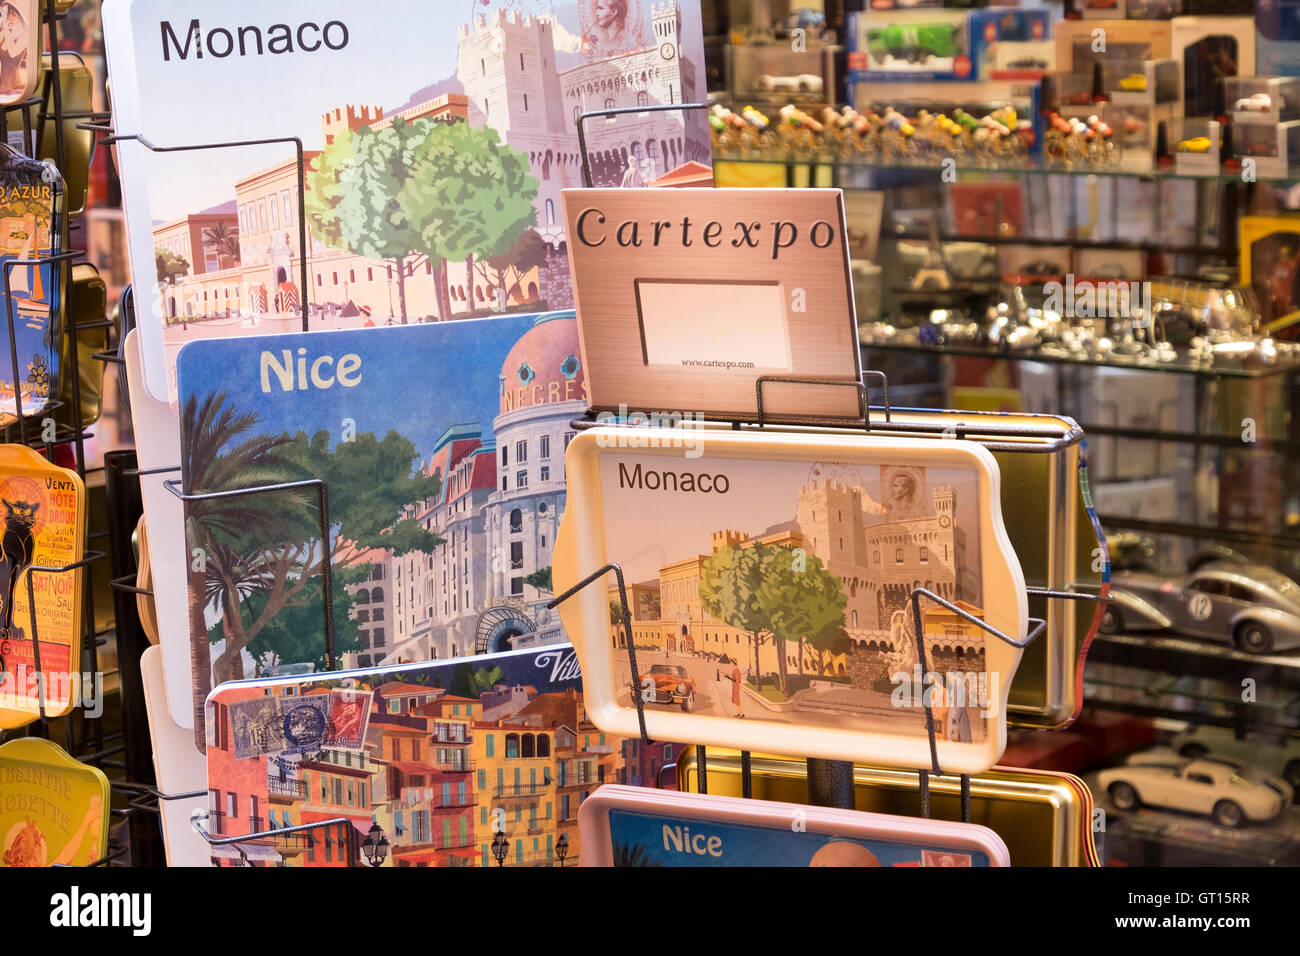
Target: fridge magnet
[[31, 201], [629, 826], [484, 97], [444, 511], [480, 761], [771, 578], [769, 269], [44, 526], [55, 809], [20, 48]]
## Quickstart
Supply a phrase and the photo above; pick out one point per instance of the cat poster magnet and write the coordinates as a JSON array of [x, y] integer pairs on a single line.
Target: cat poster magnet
[[31, 228], [769, 577], [44, 526], [55, 810], [20, 50], [629, 827]]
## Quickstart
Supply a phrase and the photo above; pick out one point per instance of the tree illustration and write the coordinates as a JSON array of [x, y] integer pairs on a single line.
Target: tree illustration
[[170, 266], [486, 678], [471, 194], [216, 529], [729, 583], [462, 682], [799, 602], [224, 240], [505, 272], [296, 634], [424, 191], [616, 618], [632, 855], [371, 486], [540, 579]]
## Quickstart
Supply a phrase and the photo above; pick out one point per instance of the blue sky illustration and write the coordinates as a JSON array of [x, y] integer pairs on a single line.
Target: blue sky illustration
[[415, 379]]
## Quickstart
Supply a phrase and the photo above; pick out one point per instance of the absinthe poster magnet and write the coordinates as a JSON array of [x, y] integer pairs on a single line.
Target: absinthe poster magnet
[[480, 97], [31, 211]]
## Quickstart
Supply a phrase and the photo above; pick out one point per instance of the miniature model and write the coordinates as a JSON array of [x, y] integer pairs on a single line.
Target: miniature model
[[1255, 103], [1282, 752], [1134, 83], [914, 44], [1228, 792], [1199, 144], [1252, 606], [803, 83]]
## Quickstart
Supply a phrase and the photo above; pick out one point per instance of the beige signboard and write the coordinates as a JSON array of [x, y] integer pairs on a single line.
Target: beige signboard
[[686, 299]]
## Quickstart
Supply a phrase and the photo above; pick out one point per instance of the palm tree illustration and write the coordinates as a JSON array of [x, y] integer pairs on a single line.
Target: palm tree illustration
[[222, 567], [632, 855], [225, 241]]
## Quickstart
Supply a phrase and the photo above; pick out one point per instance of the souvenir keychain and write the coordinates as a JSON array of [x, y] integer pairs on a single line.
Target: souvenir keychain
[[31, 228], [43, 508]]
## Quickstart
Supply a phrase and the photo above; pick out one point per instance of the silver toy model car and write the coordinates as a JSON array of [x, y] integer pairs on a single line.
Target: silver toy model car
[[1250, 606]]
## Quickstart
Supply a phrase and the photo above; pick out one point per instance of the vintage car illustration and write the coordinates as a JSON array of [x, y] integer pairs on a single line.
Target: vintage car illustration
[[1229, 792], [1250, 606], [668, 684]]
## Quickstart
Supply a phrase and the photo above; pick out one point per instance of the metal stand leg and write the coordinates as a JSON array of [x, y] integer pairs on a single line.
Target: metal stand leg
[[830, 783]]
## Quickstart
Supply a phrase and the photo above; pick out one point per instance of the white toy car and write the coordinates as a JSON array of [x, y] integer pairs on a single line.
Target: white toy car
[[802, 83], [1255, 103], [1281, 754], [1228, 792]]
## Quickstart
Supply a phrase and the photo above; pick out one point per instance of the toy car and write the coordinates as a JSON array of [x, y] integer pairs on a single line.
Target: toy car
[[1199, 144], [1134, 83], [1228, 792], [802, 83], [1282, 752], [668, 684], [915, 44], [1249, 605], [1041, 267], [1255, 103], [1027, 63]]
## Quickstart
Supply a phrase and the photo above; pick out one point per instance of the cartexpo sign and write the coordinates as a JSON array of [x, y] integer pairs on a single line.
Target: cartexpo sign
[[689, 296]]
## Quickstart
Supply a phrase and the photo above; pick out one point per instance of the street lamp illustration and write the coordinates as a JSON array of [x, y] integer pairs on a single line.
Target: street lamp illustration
[[500, 847], [562, 848], [375, 846]]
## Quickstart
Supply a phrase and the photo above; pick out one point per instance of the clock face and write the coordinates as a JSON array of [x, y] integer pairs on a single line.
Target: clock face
[[944, 521], [667, 50]]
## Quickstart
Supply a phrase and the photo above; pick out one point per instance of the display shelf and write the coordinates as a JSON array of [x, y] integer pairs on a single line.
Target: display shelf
[[1222, 368], [1186, 656], [1029, 166], [1183, 529]]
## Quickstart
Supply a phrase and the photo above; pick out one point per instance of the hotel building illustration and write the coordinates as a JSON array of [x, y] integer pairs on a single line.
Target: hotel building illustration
[[244, 254], [501, 502]]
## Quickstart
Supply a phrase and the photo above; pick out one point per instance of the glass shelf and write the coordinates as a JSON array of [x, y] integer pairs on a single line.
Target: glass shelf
[[1183, 365], [1031, 166]]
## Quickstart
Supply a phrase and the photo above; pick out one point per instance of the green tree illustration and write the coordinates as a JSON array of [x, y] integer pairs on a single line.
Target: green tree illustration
[[505, 271], [471, 194], [224, 240], [540, 579], [799, 602], [421, 191], [462, 682], [485, 678], [729, 583], [169, 265], [632, 855]]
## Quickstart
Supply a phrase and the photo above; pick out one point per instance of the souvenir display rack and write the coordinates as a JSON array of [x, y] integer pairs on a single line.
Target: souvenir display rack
[[85, 738]]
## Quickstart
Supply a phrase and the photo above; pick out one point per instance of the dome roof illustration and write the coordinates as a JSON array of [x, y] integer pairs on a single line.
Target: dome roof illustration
[[545, 365]]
